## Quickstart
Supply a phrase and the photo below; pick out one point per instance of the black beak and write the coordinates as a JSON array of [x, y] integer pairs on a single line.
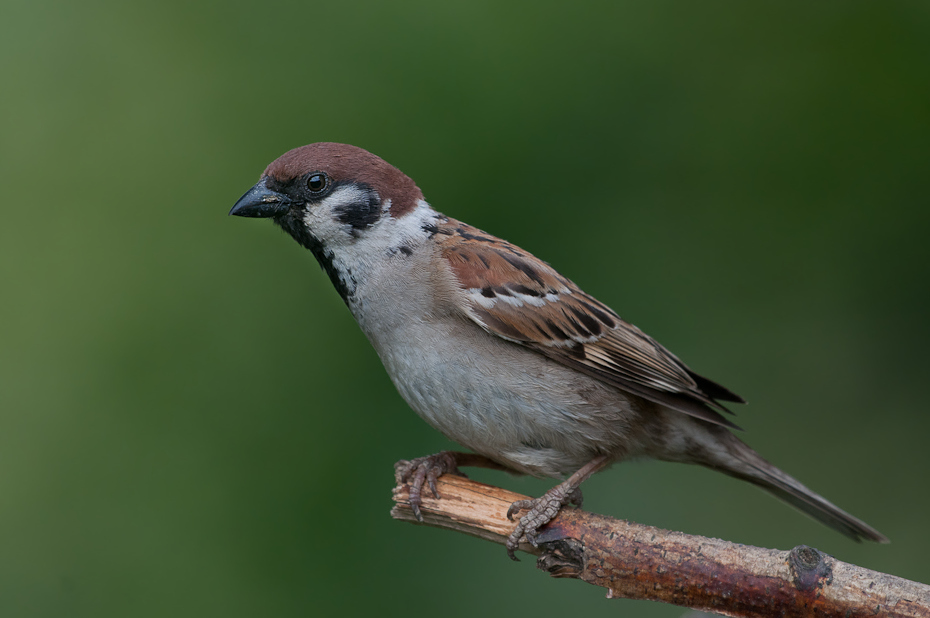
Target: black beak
[[260, 201]]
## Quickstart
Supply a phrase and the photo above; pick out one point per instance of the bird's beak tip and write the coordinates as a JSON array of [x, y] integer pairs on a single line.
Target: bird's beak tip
[[260, 201]]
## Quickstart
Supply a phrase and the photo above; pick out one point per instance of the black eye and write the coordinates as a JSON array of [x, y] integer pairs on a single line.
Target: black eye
[[317, 182]]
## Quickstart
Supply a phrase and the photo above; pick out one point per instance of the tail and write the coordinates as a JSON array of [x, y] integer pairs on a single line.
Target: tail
[[731, 456]]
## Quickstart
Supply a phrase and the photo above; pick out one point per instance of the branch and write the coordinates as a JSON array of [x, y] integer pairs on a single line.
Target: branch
[[634, 561]]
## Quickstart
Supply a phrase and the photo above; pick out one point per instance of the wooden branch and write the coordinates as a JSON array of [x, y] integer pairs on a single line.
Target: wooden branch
[[634, 561]]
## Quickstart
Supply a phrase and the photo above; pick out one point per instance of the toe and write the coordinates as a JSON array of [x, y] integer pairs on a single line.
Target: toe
[[519, 505], [513, 542], [431, 477]]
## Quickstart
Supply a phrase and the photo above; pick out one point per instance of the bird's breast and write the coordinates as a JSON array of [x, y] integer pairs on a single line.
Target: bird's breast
[[500, 399]]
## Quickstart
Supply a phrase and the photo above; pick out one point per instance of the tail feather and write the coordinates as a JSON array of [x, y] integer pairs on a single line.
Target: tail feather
[[746, 464]]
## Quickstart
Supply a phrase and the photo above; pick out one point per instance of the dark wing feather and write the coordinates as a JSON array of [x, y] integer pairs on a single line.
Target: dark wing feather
[[514, 295]]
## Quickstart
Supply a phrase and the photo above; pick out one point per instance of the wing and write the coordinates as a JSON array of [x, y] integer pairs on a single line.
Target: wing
[[514, 295]]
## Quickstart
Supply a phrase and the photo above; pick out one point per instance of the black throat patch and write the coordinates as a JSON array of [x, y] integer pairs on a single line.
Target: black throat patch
[[343, 282]]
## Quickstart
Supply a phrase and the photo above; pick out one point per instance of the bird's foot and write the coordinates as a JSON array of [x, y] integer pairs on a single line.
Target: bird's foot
[[540, 511], [426, 470]]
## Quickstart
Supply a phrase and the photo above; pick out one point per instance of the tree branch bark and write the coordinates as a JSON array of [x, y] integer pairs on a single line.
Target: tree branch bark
[[634, 561]]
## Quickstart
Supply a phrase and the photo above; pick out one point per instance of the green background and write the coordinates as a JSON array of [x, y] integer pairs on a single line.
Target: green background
[[191, 424]]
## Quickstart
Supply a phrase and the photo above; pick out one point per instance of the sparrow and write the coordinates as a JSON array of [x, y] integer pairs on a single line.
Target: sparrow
[[498, 351]]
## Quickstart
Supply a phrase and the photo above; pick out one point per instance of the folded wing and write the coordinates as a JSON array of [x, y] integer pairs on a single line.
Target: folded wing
[[515, 296]]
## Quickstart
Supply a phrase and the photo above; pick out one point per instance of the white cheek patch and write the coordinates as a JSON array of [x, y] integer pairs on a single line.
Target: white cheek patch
[[327, 218], [389, 232], [343, 197], [366, 253], [324, 225]]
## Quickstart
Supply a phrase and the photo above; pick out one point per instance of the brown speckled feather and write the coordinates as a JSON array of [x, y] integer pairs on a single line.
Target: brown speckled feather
[[514, 295], [557, 385]]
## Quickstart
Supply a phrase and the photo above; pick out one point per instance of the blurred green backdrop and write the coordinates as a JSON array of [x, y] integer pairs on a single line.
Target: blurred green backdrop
[[183, 433]]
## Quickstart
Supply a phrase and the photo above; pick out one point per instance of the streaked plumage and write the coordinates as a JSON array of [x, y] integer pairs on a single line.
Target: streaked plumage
[[496, 349]]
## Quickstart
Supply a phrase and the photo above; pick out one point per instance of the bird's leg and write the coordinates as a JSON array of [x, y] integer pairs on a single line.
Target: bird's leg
[[426, 470], [541, 510]]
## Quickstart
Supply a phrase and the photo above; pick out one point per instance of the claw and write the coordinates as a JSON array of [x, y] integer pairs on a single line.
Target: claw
[[431, 477], [576, 498], [511, 548], [424, 471], [402, 471], [519, 505], [531, 536], [539, 512]]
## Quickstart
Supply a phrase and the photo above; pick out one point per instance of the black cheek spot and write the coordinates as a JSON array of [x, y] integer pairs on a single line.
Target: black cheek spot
[[405, 250], [362, 214]]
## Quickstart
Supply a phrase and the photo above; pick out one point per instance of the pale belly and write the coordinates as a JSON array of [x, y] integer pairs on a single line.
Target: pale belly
[[509, 403]]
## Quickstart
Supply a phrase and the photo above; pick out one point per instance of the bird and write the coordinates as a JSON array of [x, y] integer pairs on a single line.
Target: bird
[[498, 351]]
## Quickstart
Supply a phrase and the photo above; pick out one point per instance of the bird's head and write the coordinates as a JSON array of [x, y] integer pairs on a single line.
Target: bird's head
[[349, 207], [328, 194]]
